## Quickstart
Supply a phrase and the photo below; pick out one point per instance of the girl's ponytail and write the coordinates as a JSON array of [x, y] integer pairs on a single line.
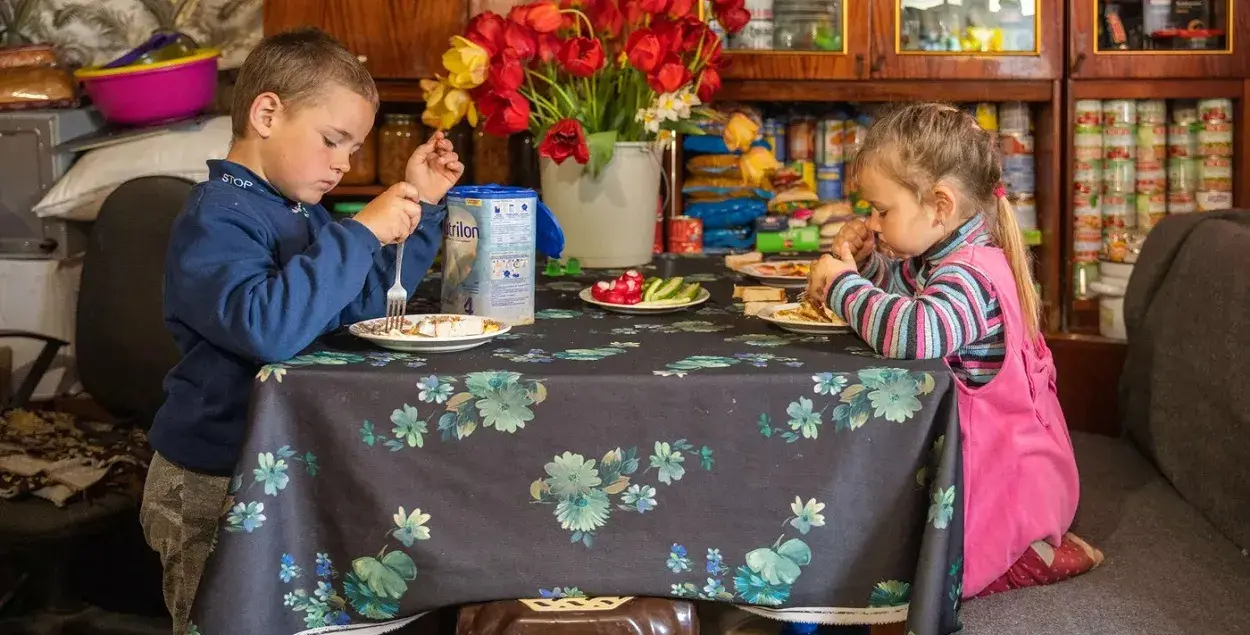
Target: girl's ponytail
[[1006, 232]]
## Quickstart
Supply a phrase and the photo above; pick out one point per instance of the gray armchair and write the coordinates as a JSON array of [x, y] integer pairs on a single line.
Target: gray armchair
[[123, 354]]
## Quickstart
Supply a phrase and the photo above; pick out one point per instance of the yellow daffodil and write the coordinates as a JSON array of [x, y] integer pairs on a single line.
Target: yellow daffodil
[[467, 62], [740, 132], [756, 164], [445, 105]]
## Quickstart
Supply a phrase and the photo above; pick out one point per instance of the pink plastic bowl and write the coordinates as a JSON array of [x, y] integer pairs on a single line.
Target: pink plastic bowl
[[147, 94]]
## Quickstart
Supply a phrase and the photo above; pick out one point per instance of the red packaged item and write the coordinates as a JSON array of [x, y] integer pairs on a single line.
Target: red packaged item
[[685, 235]]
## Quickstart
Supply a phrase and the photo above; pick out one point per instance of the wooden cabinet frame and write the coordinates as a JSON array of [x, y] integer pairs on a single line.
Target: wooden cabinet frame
[[1087, 62]]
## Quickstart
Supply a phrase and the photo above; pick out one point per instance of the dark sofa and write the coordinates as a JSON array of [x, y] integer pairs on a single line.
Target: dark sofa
[[1169, 504]]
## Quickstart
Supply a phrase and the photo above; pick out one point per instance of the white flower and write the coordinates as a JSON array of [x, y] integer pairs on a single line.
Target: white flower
[[649, 118]]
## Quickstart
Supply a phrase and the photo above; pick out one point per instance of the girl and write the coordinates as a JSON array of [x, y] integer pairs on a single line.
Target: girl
[[961, 290]]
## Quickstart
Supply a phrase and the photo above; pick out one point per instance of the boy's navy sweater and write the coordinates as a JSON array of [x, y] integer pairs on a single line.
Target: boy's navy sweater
[[251, 278]]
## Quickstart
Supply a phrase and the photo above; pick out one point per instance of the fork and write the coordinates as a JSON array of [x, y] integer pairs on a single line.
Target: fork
[[396, 296]]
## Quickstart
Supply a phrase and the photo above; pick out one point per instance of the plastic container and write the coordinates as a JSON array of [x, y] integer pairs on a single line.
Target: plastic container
[[489, 244], [1112, 281], [153, 93]]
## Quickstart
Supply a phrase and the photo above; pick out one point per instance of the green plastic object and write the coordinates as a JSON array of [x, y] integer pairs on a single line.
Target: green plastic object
[[554, 268], [800, 239], [349, 208], [573, 267]]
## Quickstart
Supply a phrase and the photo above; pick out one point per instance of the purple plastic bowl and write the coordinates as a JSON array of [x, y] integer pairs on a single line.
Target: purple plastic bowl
[[136, 96]]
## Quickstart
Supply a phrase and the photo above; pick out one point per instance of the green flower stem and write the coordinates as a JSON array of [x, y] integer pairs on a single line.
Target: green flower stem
[[555, 86]]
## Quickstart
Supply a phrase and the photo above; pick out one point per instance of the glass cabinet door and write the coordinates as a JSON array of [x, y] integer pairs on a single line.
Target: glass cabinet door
[[967, 39], [1159, 39], [799, 39]]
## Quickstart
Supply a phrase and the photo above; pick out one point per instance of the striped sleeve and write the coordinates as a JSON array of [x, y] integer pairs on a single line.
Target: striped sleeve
[[955, 309], [892, 274]]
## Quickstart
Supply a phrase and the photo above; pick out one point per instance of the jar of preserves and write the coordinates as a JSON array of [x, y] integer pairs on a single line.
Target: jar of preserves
[[364, 165], [398, 139]]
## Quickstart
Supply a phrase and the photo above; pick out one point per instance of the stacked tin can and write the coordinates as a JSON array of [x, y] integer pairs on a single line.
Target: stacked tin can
[[1152, 182], [1215, 146], [1183, 159], [1015, 134], [1119, 169], [1087, 188], [830, 157]]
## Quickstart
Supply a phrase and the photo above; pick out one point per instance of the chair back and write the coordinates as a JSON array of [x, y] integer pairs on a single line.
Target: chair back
[[122, 346]]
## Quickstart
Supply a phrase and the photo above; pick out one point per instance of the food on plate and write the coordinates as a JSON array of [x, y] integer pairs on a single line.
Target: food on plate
[[442, 326], [783, 269], [809, 311], [632, 288], [760, 294], [737, 261]]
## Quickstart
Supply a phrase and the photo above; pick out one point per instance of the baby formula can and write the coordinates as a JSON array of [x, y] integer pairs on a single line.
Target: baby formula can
[[488, 253]]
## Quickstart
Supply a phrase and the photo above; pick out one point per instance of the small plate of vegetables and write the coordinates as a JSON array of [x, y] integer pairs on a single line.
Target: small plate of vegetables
[[635, 294]]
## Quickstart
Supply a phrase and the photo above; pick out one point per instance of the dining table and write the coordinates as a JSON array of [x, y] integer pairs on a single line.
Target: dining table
[[702, 454]]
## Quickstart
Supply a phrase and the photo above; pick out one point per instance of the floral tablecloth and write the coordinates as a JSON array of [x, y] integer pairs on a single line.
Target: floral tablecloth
[[700, 455]]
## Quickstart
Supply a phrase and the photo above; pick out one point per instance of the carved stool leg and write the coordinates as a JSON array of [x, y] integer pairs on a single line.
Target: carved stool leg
[[579, 616]]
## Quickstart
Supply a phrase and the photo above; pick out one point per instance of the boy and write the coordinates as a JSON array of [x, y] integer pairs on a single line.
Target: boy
[[256, 270]]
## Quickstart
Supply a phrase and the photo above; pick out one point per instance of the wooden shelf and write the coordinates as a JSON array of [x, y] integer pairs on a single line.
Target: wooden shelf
[[887, 90], [357, 190], [408, 92], [1156, 89]]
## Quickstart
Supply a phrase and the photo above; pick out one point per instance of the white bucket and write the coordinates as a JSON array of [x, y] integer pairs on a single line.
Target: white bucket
[[609, 221]]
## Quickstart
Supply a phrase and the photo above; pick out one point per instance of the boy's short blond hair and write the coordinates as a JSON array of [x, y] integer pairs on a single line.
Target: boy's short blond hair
[[296, 66]]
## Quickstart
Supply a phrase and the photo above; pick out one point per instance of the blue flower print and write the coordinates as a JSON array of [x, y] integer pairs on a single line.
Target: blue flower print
[[557, 314], [829, 383], [896, 398], [668, 461], [803, 419], [409, 428], [287, 569], [685, 590], [678, 560], [272, 473], [325, 568], [639, 498], [246, 517], [757, 339], [533, 356], [561, 592], [806, 515], [434, 389], [715, 562], [943, 507], [715, 590], [410, 528], [589, 354], [753, 588]]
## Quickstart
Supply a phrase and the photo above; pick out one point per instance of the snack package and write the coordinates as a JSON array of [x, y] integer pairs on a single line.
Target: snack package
[[31, 78]]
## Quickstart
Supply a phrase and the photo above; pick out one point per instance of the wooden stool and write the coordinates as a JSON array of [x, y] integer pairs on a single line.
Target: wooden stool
[[580, 616]]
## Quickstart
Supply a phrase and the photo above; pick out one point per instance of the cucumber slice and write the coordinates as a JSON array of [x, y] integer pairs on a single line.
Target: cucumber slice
[[668, 289], [650, 284], [688, 293]]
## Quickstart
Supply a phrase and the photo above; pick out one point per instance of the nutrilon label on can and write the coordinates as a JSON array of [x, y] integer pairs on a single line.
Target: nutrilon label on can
[[488, 253]]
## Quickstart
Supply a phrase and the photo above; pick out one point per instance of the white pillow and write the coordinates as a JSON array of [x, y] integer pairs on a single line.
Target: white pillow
[[81, 192]]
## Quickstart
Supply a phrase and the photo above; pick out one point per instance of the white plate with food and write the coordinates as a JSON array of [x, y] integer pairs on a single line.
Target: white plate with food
[[433, 333], [804, 318], [654, 307], [780, 273]]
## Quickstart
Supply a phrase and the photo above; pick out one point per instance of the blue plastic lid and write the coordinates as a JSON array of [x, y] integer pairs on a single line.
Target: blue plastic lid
[[550, 238]]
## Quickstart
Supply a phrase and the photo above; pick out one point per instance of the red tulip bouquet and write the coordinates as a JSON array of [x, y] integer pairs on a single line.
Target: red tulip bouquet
[[582, 75]]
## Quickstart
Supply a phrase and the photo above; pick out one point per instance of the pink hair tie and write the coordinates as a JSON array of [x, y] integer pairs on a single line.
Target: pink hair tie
[[1000, 191]]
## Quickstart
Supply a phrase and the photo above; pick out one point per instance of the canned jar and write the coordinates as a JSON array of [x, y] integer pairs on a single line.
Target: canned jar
[[801, 137], [1214, 201], [1154, 180], [1216, 139], [1183, 175], [1119, 177], [1088, 112], [1182, 203], [1088, 145], [1119, 112], [1215, 174], [1215, 110], [1152, 142], [364, 163], [1151, 209], [1119, 143], [1185, 112], [1152, 112], [1087, 171], [757, 35]]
